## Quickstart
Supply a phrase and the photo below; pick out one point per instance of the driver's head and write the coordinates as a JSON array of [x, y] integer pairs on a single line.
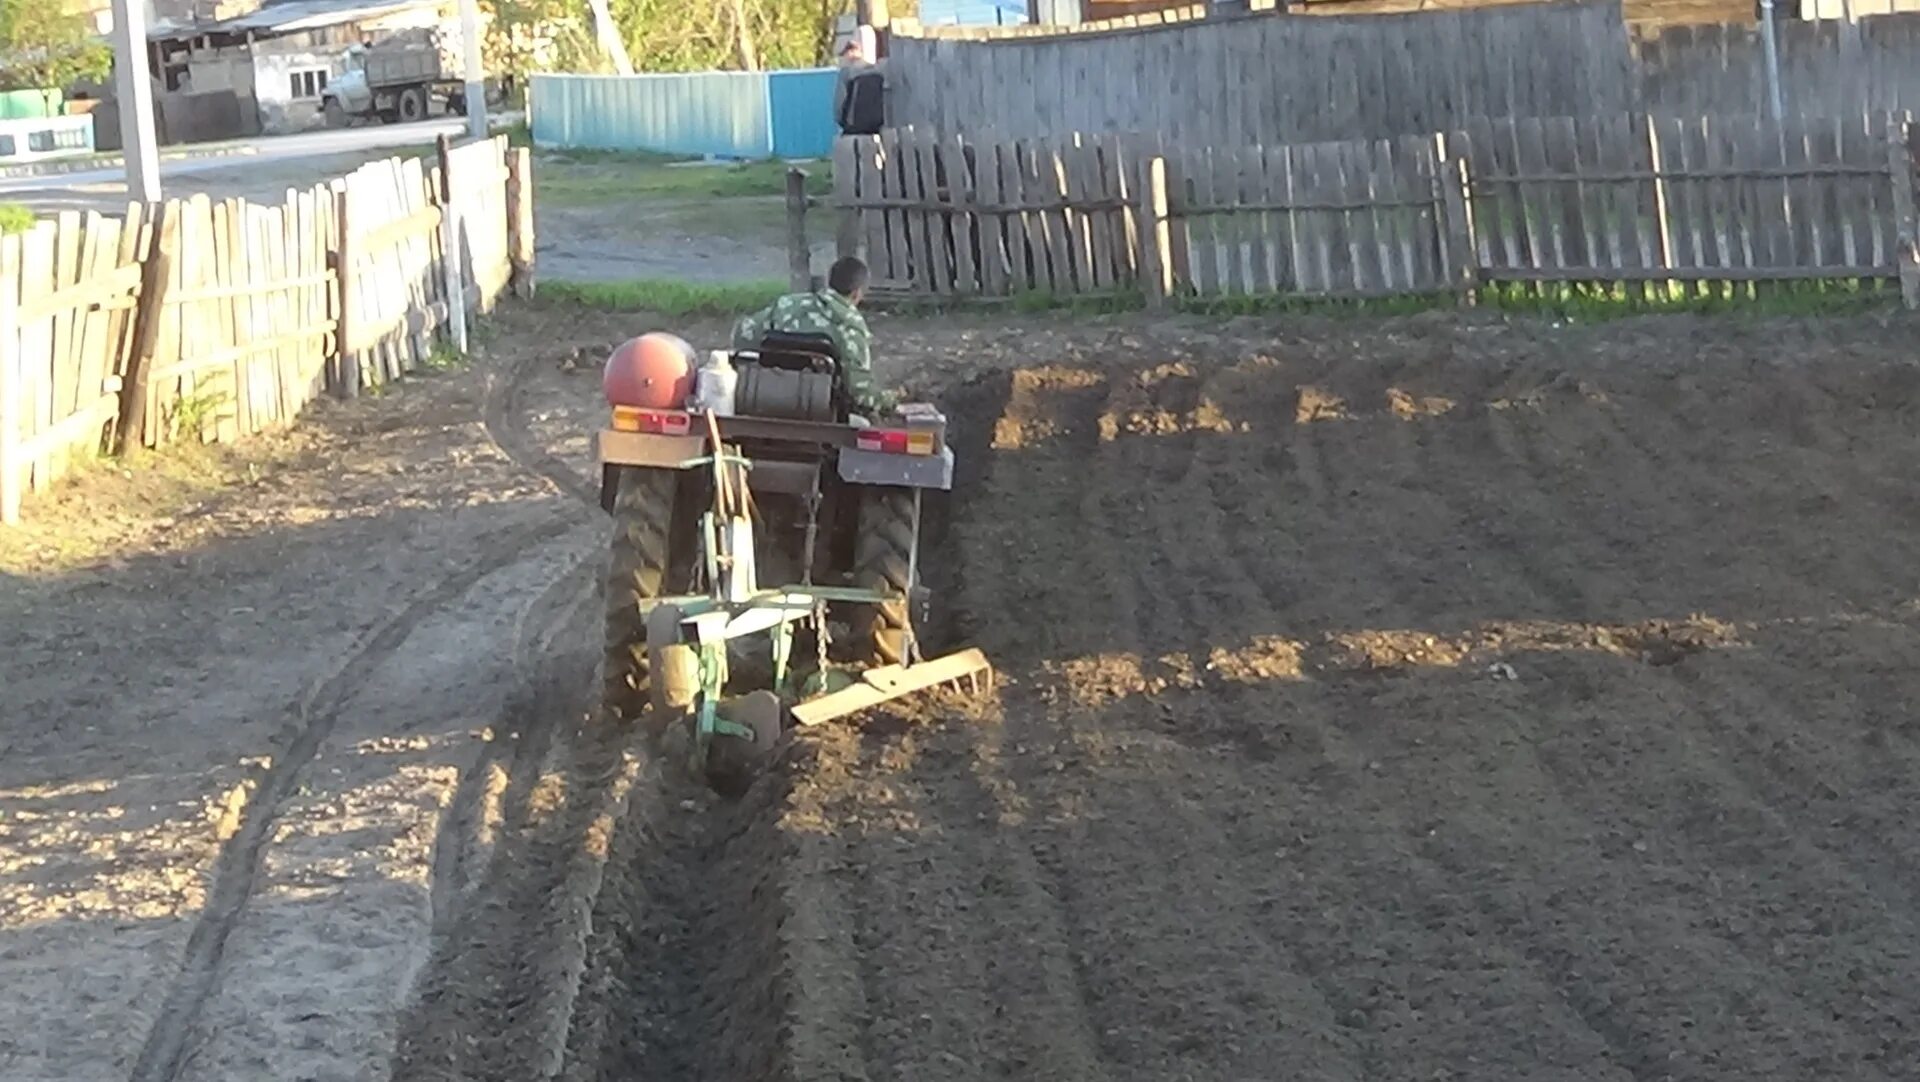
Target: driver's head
[[848, 277]]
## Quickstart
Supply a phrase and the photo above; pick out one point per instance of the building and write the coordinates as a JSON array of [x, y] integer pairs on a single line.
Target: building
[[229, 68], [282, 55]]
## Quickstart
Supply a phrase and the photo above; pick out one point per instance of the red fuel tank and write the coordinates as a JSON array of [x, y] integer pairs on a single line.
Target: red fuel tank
[[653, 371]]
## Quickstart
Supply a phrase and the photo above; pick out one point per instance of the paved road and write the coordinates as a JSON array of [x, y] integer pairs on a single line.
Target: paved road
[[262, 150]]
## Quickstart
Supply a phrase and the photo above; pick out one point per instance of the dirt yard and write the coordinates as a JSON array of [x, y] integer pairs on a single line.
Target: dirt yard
[[1434, 698], [598, 217]]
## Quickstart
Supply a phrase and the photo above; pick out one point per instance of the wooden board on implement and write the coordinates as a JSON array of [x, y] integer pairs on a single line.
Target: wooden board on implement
[[890, 682]]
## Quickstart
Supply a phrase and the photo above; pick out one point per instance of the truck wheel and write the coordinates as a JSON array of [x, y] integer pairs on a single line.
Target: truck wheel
[[413, 104], [457, 103], [642, 557], [883, 552], [336, 114]]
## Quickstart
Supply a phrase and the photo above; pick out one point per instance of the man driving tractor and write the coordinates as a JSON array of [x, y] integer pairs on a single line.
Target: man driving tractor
[[835, 313]]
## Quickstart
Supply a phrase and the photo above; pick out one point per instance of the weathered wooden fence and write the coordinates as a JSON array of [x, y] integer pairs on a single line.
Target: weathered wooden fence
[[1268, 79], [216, 320], [1827, 68], [1544, 200]]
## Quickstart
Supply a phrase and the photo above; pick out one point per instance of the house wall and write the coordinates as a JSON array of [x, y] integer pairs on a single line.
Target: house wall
[[221, 69], [274, 68], [275, 62]]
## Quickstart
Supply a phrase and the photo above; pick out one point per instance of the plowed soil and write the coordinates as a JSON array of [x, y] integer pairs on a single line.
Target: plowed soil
[[1434, 698]]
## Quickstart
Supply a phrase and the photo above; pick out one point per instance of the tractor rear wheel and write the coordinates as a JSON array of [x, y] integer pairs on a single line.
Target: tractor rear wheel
[[643, 558], [882, 562]]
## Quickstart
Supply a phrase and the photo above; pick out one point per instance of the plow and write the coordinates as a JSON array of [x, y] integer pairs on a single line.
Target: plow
[[766, 569]]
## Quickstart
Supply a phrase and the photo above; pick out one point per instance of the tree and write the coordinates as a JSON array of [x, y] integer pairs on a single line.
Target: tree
[[45, 47], [732, 35], [527, 36]]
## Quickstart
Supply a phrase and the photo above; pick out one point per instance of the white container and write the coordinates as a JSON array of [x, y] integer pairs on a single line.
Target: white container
[[714, 385]]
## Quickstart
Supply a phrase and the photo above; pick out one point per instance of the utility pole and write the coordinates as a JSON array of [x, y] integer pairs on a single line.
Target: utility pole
[[476, 73], [874, 14], [1773, 61], [134, 86]]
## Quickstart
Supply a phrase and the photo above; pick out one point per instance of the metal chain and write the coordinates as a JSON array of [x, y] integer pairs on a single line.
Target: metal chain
[[820, 639]]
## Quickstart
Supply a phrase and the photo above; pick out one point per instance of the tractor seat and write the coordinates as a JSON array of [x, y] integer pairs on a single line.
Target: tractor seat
[[793, 352]]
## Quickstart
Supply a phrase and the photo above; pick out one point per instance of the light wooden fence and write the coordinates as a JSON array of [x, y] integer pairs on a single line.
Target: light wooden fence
[[217, 320], [1554, 200]]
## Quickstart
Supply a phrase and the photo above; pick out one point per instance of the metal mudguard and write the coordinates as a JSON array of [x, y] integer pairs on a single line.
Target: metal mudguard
[[640, 449], [859, 467]]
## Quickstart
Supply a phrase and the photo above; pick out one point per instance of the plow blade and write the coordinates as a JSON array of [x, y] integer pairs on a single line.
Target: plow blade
[[890, 682]]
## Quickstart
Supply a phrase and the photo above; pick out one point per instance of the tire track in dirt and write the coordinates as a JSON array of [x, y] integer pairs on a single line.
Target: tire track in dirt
[[313, 717], [491, 798]]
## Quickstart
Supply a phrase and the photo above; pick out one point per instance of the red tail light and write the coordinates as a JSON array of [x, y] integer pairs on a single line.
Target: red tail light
[[653, 422], [894, 441]]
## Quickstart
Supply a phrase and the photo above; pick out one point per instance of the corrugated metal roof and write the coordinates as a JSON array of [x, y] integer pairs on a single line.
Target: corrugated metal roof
[[297, 15]]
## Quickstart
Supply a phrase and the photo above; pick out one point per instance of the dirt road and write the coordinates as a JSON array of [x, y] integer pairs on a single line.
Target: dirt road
[[1428, 698], [597, 220]]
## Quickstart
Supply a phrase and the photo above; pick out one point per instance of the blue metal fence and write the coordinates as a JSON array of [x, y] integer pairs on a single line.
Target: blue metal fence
[[800, 106], [973, 12], [784, 114]]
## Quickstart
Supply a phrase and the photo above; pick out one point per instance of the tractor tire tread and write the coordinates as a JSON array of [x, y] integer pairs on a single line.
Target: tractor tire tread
[[643, 508], [883, 562]]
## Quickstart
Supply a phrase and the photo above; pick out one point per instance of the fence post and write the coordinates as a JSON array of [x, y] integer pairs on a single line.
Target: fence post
[[799, 256], [846, 188], [156, 280], [1458, 250], [1900, 159], [1157, 234], [11, 475], [452, 274], [346, 372], [520, 220], [1660, 193]]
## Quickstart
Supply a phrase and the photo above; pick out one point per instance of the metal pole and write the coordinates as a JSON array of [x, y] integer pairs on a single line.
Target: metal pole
[[134, 86], [476, 75], [1773, 61]]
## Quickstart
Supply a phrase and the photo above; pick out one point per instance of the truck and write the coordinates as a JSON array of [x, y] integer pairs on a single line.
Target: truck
[[396, 78]]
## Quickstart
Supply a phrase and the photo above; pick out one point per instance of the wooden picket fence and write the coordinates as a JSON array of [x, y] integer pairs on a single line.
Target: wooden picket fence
[[1618, 199], [218, 320]]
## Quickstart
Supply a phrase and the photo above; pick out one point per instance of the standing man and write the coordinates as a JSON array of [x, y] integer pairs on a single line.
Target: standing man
[[859, 95]]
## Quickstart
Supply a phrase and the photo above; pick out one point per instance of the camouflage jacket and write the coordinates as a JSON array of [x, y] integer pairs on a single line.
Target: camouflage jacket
[[828, 313]]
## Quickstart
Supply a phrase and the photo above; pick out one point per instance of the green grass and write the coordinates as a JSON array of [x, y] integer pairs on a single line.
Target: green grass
[[666, 297], [1611, 300], [589, 177], [444, 358], [1572, 302], [14, 218]]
